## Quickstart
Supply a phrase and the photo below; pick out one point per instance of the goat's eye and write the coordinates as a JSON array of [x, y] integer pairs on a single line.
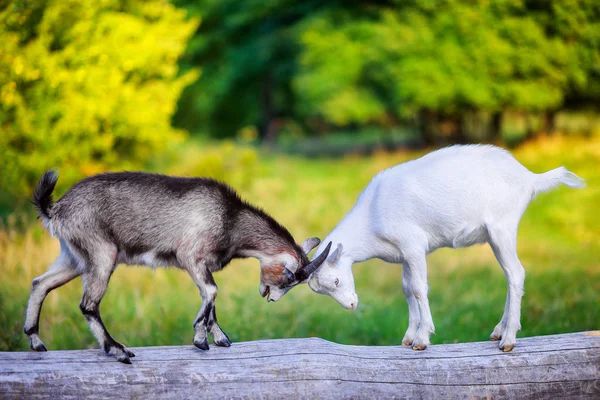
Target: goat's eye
[[337, 282]]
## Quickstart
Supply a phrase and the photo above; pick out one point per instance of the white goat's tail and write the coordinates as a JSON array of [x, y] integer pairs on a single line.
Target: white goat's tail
[[551, 179]]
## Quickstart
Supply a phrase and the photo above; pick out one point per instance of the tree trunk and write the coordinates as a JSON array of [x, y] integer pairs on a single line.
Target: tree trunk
[[459, 136], [271, 133], [427, 127], [550, 122], [268, 131], [530, 131], [496, 127], [563, 366]]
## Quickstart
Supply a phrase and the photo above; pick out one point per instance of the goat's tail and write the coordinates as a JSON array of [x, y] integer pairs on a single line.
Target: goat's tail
[[551, 179], [42, 195]]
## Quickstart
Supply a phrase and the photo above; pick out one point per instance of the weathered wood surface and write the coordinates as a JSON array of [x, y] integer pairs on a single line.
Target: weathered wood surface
[[559, 366]]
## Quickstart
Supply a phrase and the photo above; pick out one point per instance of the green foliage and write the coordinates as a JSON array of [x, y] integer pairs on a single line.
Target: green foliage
[[247, 53], [87, 85], [461, 56], [324, 65], [225, 161], [577, 25]]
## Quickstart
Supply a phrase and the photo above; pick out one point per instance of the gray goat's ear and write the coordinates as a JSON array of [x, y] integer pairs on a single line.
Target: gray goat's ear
[[335, 256], [310, 244]]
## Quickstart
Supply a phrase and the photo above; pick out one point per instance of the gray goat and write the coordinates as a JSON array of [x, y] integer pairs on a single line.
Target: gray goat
[[135, 218]]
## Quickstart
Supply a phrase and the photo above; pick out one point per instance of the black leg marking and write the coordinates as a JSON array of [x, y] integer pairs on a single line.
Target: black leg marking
[[205, 323], [203, 316], [92, 315], [90, 307], [202, 320], [108, 343], [32, 330], [221, 338], [207, 312]]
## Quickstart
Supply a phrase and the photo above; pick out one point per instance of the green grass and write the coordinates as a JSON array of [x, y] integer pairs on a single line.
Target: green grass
[[559, 245]]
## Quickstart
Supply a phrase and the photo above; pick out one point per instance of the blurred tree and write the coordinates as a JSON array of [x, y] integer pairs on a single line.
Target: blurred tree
[[332, 64], [86, 85], [577, 25], [438, 60], [247, 51]]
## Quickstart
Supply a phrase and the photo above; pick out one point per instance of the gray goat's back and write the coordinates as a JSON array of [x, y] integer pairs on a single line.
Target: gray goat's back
[[143, 209]]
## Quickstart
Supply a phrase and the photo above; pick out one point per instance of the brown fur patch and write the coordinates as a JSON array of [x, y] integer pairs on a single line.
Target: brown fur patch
[[273, 275]]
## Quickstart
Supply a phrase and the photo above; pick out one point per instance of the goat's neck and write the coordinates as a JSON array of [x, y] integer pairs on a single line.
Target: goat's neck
[[256, 238], [353, 233]]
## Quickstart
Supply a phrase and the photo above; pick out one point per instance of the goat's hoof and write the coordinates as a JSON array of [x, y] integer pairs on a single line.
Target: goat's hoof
[[39, 347], [407, 342], [128, 352], [508, 347], [36, 345], [419, 346], [203, 345], [506, 344], [225, 342], [495, 338], [124, 358]]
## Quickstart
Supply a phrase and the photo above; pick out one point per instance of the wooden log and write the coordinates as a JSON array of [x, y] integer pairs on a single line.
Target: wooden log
[[559, 366]]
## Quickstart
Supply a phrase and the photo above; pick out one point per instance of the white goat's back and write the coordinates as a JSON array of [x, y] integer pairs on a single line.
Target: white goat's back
[[449, 197]]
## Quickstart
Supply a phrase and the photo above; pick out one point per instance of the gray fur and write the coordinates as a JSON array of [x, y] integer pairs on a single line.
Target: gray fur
[[194, 224]]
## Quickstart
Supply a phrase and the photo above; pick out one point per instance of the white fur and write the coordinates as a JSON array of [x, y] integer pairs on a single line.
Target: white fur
[[454, 197]]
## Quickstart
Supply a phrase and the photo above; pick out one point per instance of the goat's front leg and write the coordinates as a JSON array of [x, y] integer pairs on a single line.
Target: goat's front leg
[[206, 320], [220, 338], [414, 316], [497, 333], [417, 282]]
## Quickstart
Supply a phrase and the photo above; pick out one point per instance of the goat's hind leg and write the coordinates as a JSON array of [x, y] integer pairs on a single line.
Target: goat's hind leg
[[416, 265], [95, 282], [504, 244], [94, 289], [63, 270], [414, 316]]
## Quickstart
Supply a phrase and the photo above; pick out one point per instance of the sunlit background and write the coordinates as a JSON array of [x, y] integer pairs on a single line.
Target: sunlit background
[[297, 105]]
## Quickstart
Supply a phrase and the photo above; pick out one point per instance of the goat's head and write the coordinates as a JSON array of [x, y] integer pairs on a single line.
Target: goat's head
[[334, 278], [282, 275]]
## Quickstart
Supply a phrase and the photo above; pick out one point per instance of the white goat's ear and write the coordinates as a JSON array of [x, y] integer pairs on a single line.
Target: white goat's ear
[[310, 244], [335, 256]]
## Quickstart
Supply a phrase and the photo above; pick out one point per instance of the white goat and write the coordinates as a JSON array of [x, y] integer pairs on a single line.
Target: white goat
[[454, 197]]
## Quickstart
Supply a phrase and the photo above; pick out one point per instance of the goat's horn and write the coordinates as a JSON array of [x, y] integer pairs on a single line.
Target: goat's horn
[[311, 267]]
